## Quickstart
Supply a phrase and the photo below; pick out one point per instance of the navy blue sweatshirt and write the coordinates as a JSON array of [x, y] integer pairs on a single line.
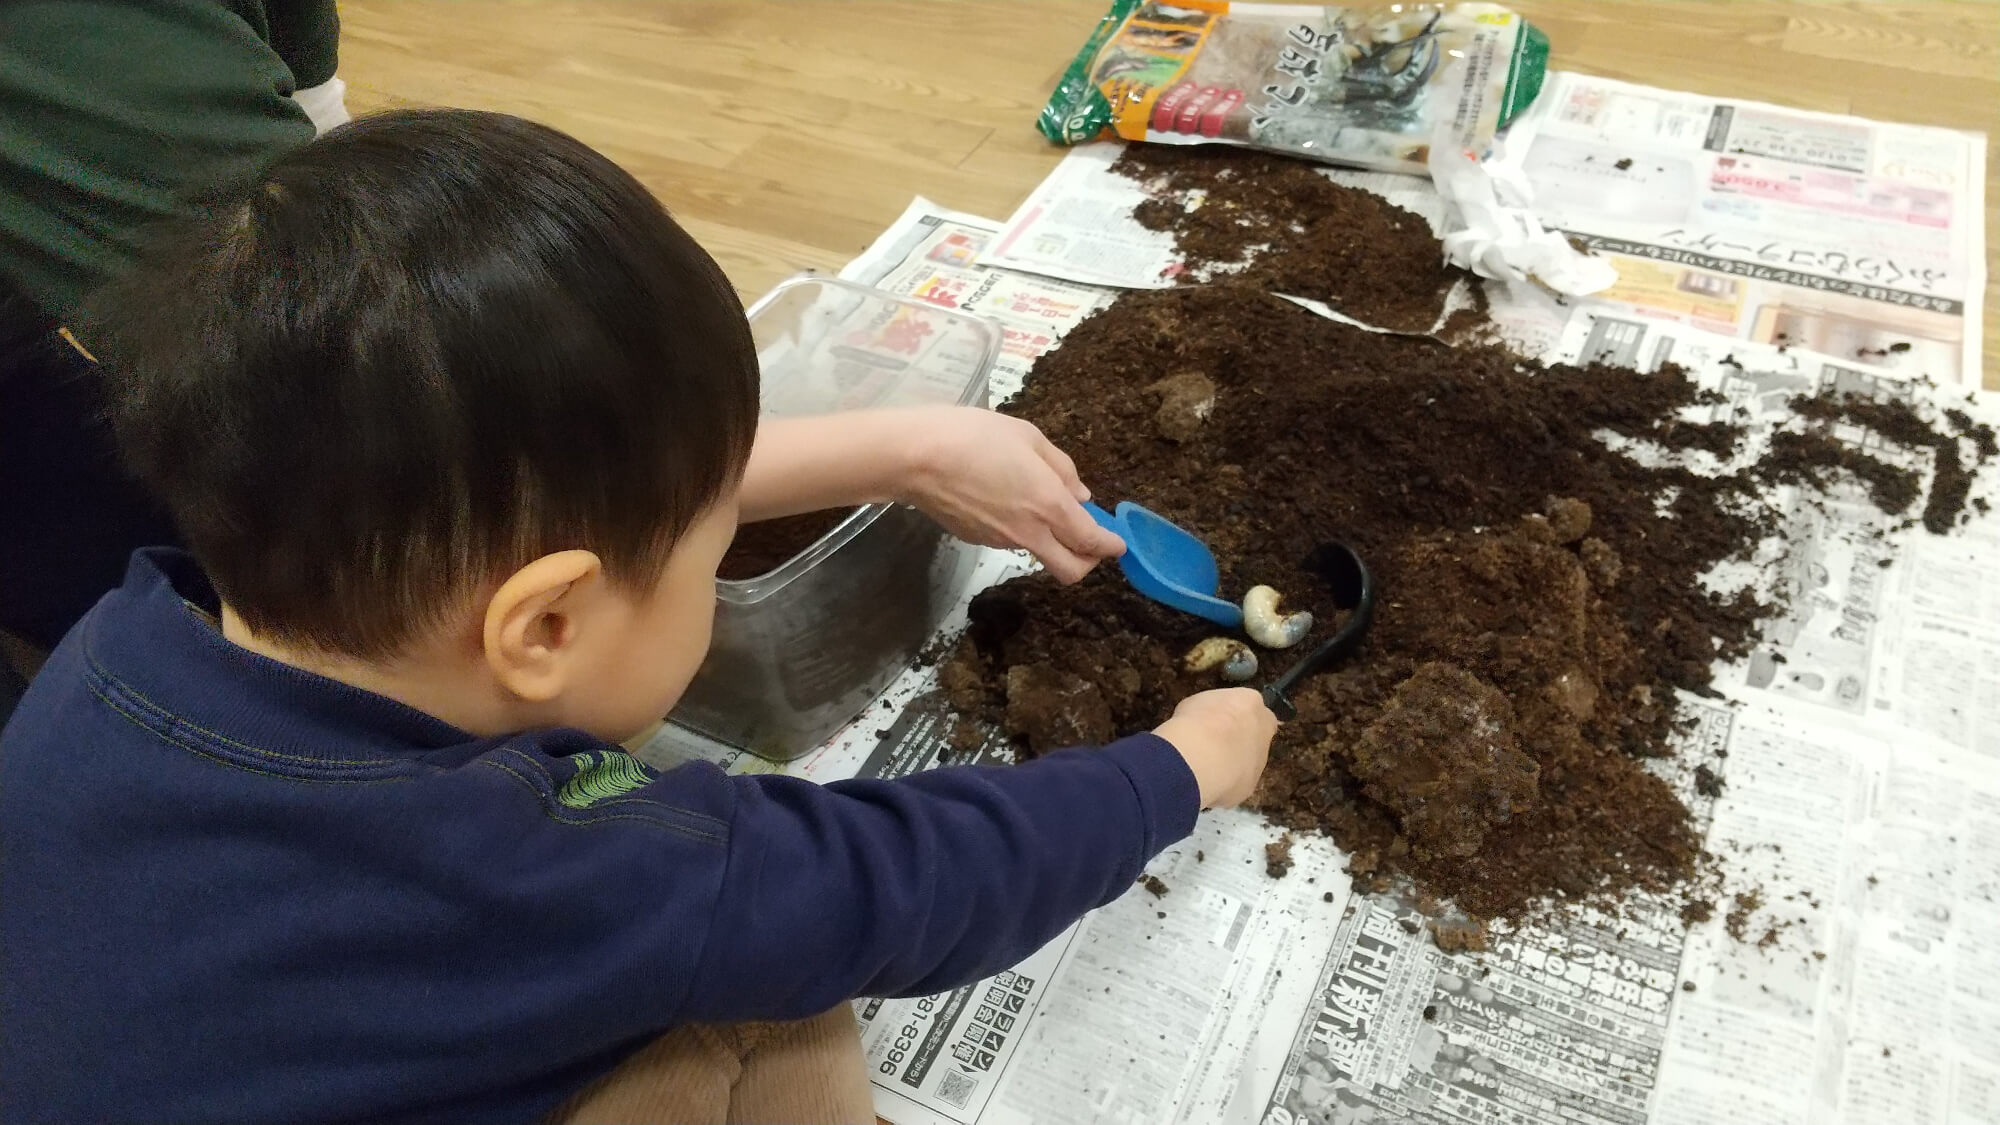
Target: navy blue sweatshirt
[[231, 890]]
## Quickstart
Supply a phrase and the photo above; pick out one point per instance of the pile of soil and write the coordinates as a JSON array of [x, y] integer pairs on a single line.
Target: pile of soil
[[760, 548], [1543, 595], [1278, 225]]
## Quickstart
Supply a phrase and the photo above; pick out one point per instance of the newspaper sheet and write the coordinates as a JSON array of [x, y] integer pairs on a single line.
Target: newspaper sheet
[[1862, 804], [1861, 989], [1861, 240]]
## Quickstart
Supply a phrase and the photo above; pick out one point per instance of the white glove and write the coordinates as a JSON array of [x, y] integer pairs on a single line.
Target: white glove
[[326, 104]]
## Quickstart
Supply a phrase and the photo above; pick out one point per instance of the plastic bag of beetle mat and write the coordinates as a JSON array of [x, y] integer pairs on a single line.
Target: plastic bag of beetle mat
[[1359, 86]]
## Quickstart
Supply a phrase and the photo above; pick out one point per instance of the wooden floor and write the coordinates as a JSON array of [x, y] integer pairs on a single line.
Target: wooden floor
[[786, 135]]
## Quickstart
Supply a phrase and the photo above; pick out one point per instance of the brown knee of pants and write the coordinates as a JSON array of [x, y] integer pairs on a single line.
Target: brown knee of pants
[[803, 1073]]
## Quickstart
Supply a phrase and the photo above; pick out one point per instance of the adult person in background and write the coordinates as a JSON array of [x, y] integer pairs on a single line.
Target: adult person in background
[[112, 112]]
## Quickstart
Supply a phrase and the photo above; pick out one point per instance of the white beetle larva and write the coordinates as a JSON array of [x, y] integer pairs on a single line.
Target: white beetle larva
[[1269, 627], [1238, 663]]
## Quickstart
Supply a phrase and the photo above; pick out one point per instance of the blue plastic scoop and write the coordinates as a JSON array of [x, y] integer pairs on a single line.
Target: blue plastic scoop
[[1168, 564]]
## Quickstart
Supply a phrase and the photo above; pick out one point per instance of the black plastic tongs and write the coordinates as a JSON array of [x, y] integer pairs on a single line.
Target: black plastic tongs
[[1353, 589]]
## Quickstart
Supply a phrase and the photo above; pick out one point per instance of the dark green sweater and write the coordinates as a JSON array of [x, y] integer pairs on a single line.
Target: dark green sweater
[[111, 111]]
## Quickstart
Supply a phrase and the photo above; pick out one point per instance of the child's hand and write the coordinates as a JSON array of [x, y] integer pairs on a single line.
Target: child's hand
[[1225, 736], [996, 481]]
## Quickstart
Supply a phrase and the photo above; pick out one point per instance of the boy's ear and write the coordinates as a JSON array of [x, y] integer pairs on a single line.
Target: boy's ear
[[533, 620]]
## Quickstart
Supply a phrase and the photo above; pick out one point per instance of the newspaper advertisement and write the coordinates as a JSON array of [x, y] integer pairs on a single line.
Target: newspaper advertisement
[[1859, 240], [930, 254], [1846, 236]]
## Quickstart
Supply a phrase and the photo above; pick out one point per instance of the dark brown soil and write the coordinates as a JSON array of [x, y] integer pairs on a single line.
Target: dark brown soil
[[1543, 594], [1949, 488], [1815, 452], [1522, 557], [760, 548], [1984, 441], [1817, 458], [1294, 231], [1154, 885]]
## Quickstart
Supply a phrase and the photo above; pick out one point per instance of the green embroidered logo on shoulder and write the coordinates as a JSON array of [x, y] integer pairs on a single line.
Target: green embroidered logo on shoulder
[[600, 776]]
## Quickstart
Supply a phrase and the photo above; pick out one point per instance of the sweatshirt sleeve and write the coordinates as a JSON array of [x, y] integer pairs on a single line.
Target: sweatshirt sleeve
[[908, 887], [306, 35]]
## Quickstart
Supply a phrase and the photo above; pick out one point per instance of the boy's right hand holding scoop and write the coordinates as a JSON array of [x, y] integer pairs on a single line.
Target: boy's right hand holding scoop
[[1225, 737]]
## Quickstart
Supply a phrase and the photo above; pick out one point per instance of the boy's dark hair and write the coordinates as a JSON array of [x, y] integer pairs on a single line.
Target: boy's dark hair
[[415, 355]]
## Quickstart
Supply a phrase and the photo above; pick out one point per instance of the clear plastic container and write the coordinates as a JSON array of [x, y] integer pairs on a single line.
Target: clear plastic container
[[801, 650]]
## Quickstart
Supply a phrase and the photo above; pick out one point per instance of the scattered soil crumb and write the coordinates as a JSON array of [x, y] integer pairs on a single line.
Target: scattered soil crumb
[[1327, 897], [1278, 856], [1154, 884], [1737, 921], [1707, 782], [1430, 1013], [1818, 458], [1697, 912], [1687, 986], [1623, 164]]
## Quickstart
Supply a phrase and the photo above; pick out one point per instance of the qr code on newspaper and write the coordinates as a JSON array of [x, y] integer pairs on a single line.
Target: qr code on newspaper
[[955, 1088]]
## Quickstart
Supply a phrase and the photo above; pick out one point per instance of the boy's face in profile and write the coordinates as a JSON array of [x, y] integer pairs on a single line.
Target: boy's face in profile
[[649, 645]]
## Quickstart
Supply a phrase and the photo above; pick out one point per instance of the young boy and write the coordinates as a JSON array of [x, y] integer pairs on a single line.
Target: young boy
[[327, 822]]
